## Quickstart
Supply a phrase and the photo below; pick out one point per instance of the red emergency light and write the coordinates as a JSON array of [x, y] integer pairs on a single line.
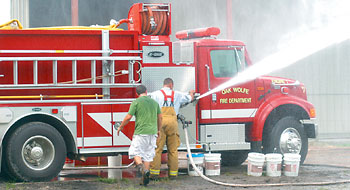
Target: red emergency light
[[197, 33]]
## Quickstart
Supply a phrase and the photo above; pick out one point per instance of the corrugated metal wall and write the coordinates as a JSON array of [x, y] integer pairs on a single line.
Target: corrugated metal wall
[[326, 77]]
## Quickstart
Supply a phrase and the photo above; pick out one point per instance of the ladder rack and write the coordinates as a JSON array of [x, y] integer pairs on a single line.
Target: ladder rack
[[74, 83]]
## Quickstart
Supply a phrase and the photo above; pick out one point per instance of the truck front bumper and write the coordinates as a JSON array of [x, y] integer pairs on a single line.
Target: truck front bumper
[[310, 127]]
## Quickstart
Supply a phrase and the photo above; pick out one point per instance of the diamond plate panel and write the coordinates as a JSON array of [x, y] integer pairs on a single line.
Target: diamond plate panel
[[184, 77], [224, 136], [184, 81]]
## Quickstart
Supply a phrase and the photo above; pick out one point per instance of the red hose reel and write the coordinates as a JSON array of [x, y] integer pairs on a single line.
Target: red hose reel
[[150, 19]]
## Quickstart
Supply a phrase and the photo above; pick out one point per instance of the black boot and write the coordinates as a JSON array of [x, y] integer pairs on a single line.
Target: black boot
[[145, 177]]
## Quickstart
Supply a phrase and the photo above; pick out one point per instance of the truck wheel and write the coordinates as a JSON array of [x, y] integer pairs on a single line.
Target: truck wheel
[[233, 158], [35, 151], [287, 136]]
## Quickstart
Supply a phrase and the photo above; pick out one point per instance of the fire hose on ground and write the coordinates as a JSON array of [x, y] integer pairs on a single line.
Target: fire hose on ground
[[185, 126]]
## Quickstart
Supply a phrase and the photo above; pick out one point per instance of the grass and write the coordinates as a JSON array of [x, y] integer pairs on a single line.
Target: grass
[[10, 186], [121, 183], [111, 180], [107, 180], [141, 188], [125, 180], [227, 174], [329, 143]]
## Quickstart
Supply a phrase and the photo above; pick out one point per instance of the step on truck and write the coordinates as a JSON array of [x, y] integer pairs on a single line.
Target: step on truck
[[62, 90]]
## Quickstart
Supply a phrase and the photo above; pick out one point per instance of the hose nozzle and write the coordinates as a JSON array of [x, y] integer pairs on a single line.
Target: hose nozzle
[[183, 121]]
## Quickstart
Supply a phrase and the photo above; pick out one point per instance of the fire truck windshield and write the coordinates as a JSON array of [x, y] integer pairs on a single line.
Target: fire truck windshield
[[228, 62]]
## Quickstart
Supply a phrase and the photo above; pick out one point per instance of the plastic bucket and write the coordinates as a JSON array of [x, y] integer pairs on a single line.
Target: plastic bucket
[[198, 159], [255, 163], [291, 164], [273, 164], [212, 164]]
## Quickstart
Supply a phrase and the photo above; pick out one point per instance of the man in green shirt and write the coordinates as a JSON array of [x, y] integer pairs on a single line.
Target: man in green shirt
[[147, 126]]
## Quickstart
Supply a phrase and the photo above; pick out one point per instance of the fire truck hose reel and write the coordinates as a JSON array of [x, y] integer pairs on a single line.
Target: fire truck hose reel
[[154, 22]]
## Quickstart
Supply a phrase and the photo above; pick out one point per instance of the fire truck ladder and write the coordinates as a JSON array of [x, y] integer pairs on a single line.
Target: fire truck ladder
[[108, 63]]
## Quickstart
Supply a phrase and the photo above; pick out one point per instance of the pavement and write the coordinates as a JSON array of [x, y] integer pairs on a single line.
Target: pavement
[[330, 152], [333, 152], [327, 161]]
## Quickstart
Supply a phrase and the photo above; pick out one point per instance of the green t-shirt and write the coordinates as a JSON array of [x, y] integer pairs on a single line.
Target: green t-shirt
[[145, 109]]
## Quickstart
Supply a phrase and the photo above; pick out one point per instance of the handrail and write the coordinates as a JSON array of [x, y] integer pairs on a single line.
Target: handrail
[[61, 86], [116, 58], [51, 96], [75, 82], [71, 51]]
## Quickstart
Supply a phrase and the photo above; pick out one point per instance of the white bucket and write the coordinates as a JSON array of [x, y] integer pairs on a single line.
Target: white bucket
[[291, 164], [198, 159], [212, 164], [255, 163], [273, 164]]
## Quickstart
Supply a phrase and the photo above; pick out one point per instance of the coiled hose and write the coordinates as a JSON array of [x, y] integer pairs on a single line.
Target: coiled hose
[[154, 22]]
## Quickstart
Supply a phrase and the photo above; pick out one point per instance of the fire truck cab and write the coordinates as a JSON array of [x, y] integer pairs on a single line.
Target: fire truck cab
[[63, 89]]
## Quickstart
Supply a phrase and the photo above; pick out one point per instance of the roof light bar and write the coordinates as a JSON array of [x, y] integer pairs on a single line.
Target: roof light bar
[[197, 33]]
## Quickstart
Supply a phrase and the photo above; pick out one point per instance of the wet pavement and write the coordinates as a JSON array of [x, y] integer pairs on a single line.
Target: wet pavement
[[325, 153], [327, 161], [329, 152]]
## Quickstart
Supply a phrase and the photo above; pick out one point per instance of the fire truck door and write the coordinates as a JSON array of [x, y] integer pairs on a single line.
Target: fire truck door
[[230, 105], [97, 126], [119, 111]]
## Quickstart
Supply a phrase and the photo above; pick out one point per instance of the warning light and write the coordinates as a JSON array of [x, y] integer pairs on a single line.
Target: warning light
[[260, 88], [198, 146], [54, 111], [312, 113], [197, 33]]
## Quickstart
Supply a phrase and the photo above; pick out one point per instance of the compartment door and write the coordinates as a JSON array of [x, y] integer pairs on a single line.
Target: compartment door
[[97, 125], [119, 111]]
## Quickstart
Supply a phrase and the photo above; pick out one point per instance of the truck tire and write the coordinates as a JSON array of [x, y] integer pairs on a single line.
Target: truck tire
[[233, 158], [35, 151], [287, 136]]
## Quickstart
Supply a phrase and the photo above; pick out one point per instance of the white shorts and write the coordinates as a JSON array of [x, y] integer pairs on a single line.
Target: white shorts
[[143, 146]]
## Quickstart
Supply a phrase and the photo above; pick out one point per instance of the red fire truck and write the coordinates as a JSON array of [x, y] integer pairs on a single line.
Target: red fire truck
[[63, 89]]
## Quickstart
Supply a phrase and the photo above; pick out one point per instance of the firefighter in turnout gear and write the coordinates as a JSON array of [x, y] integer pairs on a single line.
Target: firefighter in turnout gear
[[170, 102]]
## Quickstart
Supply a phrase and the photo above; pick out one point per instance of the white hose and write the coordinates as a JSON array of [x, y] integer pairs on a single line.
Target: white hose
[[252, 185]]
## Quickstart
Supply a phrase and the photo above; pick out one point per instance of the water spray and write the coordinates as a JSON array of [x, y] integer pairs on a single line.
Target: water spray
[[295, 51]]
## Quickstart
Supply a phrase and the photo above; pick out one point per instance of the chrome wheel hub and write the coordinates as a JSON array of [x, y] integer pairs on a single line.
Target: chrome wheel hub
[[38, 152], [290, 141]]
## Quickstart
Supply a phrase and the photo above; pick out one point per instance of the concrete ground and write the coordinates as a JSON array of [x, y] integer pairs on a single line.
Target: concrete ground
[[334, 152], [327, 167]]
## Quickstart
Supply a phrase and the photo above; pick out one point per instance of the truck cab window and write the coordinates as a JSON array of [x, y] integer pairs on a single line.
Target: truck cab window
[[227, 63]]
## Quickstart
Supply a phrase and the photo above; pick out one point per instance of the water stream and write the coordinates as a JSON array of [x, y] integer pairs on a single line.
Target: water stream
[[298, 49]]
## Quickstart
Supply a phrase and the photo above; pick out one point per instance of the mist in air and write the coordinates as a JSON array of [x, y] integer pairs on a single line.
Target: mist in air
[[300, 46]]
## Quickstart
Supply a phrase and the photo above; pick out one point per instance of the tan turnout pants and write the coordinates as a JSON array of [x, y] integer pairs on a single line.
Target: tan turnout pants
[[169, 135]]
